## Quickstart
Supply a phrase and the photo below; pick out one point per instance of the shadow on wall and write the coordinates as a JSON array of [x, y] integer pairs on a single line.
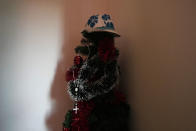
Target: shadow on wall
[[126, 84]]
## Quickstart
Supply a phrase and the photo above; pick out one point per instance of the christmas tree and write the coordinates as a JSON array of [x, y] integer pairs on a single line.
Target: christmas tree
[[93, 80]]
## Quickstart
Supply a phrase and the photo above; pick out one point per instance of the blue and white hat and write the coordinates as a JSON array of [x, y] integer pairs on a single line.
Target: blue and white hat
[[100, 23]]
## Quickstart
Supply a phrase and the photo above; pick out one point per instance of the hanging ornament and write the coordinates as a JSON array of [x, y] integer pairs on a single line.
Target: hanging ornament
[[76, 98], [78, 61], [75, 109], [75, 119]]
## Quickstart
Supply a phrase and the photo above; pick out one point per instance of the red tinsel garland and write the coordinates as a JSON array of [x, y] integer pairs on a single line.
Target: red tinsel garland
[[106, 49], [80, 119]]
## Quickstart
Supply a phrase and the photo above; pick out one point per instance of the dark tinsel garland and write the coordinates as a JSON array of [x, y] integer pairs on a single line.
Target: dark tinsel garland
[[91, 84], [94, 78]]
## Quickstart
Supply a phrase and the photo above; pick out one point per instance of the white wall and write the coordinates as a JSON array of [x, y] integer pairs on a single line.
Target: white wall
[[31, 38]]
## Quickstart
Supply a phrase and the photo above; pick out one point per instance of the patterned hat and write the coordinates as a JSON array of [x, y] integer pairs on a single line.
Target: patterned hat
[[100, 23]]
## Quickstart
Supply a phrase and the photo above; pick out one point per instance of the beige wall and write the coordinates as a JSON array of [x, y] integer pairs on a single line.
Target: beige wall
[[160, 37], [157, 58]]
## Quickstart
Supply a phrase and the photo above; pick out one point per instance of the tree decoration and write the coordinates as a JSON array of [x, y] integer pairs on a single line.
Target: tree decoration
[[92, 82], [106, 49], [78, 61]]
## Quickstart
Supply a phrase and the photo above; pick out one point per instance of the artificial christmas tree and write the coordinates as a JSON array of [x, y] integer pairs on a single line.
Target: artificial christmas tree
[[93, 81]]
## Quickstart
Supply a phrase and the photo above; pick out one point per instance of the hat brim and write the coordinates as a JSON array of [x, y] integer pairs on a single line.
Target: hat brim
[[111, 32]]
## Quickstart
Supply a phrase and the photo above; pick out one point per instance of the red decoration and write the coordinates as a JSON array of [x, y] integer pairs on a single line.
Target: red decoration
[[106, 49], [80, 120], [78, 61], [66, 129]]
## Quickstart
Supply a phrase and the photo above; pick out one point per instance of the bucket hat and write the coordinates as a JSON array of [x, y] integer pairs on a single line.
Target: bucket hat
[[100, 23]]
